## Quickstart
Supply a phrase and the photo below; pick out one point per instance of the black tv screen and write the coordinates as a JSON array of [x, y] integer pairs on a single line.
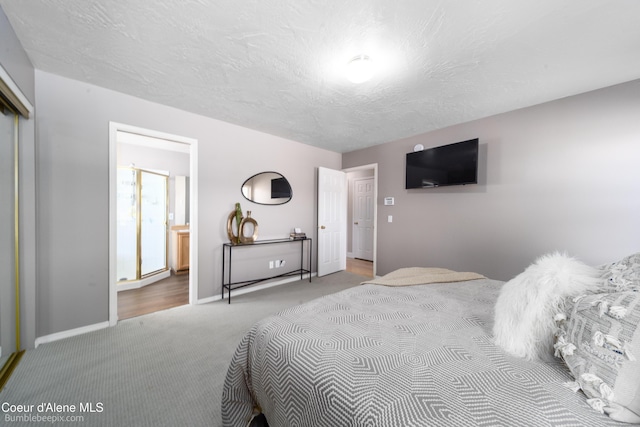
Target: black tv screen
[[453, 164], [280, 188]]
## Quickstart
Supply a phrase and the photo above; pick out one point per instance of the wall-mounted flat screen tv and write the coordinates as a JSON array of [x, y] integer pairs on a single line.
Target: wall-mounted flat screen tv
[[280, 188], [453, 164]]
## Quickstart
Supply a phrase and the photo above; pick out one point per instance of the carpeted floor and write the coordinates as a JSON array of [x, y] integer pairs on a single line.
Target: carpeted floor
[[161, 369]]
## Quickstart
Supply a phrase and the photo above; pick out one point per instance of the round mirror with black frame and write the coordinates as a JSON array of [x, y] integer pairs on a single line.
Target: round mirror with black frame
[[267, 188]]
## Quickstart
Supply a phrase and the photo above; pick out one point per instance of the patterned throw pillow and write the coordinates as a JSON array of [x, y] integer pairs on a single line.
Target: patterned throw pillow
[[623, 275], [600, 342]]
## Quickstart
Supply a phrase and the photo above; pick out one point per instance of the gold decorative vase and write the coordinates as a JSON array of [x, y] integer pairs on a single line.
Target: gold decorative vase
[[241, 233], [238, 234], [231, 233]]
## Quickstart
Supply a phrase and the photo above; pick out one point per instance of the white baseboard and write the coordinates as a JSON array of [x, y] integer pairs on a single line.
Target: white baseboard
[[70, 333], [102, 325], [254, 288]]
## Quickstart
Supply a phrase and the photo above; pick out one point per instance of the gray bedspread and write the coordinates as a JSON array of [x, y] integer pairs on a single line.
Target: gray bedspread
[[395, 356]]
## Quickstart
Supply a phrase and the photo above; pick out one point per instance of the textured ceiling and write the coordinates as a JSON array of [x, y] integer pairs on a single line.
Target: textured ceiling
[[278, 66]]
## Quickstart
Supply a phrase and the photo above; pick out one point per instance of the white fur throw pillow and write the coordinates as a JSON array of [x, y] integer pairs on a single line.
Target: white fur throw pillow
[[524, 313]]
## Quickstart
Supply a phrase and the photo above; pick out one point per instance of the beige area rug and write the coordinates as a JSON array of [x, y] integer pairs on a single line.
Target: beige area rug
[[422, 276]]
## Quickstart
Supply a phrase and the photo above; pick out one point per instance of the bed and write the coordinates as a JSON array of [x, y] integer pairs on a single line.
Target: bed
[[373, 355]]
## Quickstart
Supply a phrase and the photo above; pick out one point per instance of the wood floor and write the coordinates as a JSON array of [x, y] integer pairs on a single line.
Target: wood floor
[[167, 293], [174, 291], [360, 266]]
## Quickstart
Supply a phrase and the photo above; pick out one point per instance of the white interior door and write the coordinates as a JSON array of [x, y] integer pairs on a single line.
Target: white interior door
[[332, 221], [363, 223]]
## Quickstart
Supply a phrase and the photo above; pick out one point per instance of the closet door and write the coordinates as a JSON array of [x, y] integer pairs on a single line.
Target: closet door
[[13, 108], [8, 342]]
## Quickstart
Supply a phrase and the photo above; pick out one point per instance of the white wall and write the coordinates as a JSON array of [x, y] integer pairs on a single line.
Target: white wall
[[563, 175], [73, 153]]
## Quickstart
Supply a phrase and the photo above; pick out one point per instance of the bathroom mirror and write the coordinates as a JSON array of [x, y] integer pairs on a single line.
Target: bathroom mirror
[[267, 188]]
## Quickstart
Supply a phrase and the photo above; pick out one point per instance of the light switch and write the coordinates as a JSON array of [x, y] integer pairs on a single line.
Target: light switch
[[390, 218]]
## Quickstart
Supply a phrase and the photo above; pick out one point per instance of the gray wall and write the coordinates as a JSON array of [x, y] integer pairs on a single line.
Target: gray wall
[[15, 62], [558, 176], [73, 215]]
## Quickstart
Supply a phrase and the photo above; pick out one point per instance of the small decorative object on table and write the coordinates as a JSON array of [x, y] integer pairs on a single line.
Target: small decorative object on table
[[242, 234], [234, 236], [238, 234], [297, 234]]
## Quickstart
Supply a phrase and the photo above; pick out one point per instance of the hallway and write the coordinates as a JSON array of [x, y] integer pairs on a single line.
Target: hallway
[[360, 266]]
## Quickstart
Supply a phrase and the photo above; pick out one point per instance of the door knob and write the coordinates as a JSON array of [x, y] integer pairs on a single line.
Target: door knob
[[356, 223], [322, 227]]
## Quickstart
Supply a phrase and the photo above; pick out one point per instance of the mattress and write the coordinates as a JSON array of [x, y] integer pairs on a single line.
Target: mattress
[[395, 356]]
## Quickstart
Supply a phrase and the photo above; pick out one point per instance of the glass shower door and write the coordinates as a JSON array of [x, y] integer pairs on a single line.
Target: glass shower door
[[153, 224], [141, 223], [127, 224]]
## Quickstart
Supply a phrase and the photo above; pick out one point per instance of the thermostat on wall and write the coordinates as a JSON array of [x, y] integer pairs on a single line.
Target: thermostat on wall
[[388, 201]]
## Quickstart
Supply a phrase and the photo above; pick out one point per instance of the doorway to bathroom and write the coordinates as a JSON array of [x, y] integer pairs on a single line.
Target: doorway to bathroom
[[152, 217]]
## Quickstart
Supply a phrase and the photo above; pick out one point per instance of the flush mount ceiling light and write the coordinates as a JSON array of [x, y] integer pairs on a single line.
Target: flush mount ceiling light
[[360, 69]]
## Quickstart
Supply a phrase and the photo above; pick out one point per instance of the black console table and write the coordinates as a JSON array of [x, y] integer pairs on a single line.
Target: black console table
[[230, 247]]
